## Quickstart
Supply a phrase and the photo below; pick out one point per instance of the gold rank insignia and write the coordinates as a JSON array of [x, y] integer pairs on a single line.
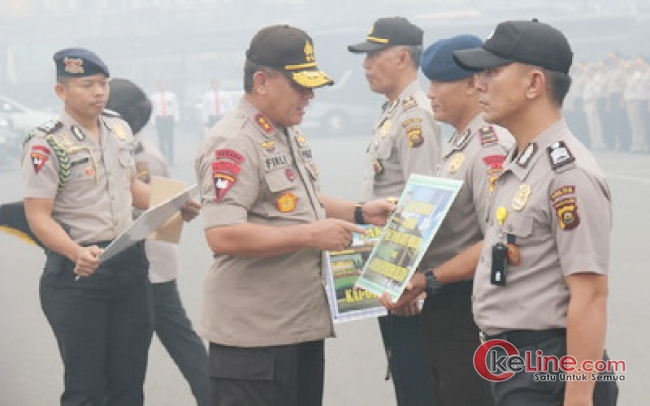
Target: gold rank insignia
[[385, 127], [264, 123], [268, 146], [301, 139], [455, 163], [287, 202], [521, 198], [409, 103], [120, 132]]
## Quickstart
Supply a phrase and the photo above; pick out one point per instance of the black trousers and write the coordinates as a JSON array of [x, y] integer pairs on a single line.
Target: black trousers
[[176, 334], [165, 129], [412, 378], [451, 341], [103, 326], [287, 375], [525, 388]]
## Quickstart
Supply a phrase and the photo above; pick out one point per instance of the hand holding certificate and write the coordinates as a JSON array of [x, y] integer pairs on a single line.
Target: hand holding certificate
[[403, 242]]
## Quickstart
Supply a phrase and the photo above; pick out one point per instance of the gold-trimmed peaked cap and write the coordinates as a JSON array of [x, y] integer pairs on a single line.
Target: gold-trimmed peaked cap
[[387, 32], [78, 62], [290, 50]]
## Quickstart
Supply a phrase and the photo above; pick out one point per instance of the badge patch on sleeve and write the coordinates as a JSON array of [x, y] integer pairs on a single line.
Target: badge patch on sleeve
[[39, 156], [565, 204], [414, 134], [225, 170]]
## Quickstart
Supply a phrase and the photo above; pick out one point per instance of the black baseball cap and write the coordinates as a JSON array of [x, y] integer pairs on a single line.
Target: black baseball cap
[[290, 50], [529, 42], [388, 32], [78, 62]]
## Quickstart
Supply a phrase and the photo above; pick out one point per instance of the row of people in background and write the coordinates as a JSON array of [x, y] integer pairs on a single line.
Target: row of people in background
[[267, 223], [609, 103], [167, 113]]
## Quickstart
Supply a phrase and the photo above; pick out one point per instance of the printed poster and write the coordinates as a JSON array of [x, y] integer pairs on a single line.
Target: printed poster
[[423, 205], [348, 302]]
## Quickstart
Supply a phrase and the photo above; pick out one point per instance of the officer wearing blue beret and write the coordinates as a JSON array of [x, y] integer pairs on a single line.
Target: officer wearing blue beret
[[474, 154], [80, 187]]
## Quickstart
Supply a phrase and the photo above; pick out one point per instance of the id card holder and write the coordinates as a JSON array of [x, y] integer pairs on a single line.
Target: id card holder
[[499, 272]]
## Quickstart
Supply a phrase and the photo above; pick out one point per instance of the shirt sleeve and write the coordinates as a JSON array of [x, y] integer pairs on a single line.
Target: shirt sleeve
[[40, 169], [581, 221], [419, 143], [229, 179]]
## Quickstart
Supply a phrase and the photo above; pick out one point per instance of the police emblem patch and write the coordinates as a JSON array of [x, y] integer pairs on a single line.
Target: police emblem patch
[[414, 134], [39, 156], [287, 202]]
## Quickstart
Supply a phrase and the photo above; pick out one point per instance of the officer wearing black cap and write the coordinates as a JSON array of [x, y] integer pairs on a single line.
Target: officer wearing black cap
[[474, 154], [265, 308], [78, 172], [541, 282], [406, 140]]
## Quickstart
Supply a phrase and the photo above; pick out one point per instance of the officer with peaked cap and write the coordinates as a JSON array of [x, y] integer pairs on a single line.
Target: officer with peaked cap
[[540, 288], [406, 140], [80, 186], [474, 154], [265, 309]]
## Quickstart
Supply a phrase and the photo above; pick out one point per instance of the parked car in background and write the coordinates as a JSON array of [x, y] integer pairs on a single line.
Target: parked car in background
[[22, 118], [10, 141]]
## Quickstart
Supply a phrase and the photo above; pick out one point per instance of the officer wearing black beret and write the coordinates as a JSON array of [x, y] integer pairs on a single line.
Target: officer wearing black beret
[[80, 186]]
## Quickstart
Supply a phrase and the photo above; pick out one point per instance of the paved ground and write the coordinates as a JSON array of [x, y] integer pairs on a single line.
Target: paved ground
[[30, 370]]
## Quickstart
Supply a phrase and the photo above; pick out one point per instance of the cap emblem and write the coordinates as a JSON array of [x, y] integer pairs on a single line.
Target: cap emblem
[[73, 65], [309, 52]]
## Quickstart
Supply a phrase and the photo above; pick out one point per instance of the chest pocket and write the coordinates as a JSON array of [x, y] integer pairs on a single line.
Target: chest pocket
[[286, 195], [384, 147], [520, 226], [82, 167], [127, 161]]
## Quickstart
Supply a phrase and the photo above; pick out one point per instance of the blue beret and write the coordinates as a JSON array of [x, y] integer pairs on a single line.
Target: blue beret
[[438, 59], [78, 62]]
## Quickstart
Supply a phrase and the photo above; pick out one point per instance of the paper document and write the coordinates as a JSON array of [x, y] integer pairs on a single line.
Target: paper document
[[148, 222]]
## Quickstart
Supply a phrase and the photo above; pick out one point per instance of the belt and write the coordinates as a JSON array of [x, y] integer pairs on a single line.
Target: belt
[[524, 338]]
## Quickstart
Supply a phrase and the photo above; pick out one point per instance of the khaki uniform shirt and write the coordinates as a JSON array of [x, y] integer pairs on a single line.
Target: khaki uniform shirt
[[250, 171], [475, 156], [407, 140], [554, 203], [89, 182]]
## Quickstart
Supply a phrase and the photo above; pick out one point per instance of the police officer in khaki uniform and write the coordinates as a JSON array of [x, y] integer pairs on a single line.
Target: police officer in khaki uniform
[[541, 283], [406, 140], [265, 308], [80, 186], [474, 154]]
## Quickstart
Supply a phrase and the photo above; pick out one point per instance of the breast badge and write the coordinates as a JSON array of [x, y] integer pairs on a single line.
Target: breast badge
[[521, 198], [287, 202], [455, 163]]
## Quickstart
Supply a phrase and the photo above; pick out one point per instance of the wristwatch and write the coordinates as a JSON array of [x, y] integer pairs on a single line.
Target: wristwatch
[[433, 285], [358, 214]]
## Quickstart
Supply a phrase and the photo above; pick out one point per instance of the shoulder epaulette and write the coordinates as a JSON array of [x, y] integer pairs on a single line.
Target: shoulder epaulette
[[48, 127], [487, 135], [409, 103], [560, 156]]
